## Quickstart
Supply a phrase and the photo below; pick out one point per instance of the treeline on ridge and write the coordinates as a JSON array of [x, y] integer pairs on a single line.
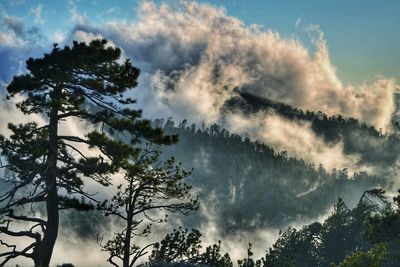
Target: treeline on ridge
[[374, 146]]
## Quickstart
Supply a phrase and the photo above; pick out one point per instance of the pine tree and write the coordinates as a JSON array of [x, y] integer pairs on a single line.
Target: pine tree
[[184, 249], [84, 82], [150, 188]]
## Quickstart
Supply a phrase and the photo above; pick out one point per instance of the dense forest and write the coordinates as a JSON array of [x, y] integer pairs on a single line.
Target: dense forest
[[255, 179]]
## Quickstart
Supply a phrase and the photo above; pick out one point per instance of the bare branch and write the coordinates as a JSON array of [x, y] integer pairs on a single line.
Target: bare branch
[[141, 253]]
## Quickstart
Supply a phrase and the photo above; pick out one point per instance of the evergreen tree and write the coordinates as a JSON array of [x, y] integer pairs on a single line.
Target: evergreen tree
[[249, 261], [150, 187], [372, 258], [295, 247], [84, 82], [184, 247], [383, 226]]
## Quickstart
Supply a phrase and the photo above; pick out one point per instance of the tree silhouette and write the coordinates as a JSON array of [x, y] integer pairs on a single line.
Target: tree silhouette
[[295, 247], [83, 82], [384, 227], [184, 247], [372, 258], [150, 186], [249, 261], [178, 246]]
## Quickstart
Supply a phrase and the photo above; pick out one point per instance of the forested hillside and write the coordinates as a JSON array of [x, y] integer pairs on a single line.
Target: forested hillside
[[254, 186], [373, 146], [245, 181]]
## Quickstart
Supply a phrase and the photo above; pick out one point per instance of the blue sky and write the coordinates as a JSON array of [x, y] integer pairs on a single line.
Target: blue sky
[[362, 36]]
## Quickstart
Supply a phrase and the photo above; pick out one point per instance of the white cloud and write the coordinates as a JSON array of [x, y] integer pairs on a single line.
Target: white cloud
[[73, 249], [9, 39], [199, 55], [36, 12], [297, 138], [195, 57], [76, 16], [58, 37], [10, 113], [12, 31]]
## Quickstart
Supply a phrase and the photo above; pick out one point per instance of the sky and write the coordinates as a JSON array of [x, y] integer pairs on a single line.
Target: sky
[[362, 36]]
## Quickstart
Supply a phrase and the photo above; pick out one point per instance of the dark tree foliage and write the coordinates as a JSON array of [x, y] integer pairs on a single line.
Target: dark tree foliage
[[150, 186], [384, 227], [340, 234], [296, 248], [182, 246], [249, 261], [346, 237], [372, 258], [374, 146], [249, 180], [178, 246], [83, 82]]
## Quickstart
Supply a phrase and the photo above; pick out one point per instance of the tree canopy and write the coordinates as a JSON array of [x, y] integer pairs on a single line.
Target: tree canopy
[[151, 187], [84, 82]]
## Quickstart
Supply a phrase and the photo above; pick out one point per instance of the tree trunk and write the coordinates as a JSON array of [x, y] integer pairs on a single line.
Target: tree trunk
[[130, 209], [127, 244], [45, 250]]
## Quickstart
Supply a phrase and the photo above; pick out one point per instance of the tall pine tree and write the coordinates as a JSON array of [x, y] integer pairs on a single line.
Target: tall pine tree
[[84, 82], [151, 190]]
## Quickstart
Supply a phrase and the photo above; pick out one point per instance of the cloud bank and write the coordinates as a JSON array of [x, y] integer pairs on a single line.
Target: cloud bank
[[194, 57], [197, 55], [297, 138]]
